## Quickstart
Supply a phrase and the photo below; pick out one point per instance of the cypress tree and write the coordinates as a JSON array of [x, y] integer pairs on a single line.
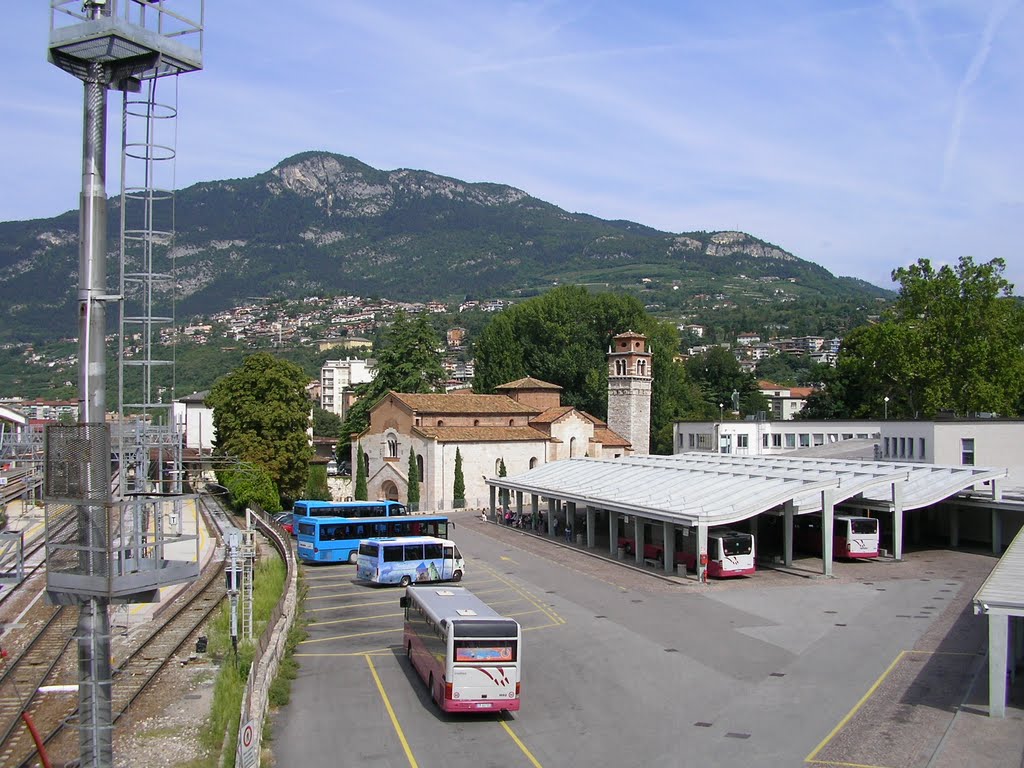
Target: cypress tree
[[414, 483], [459, 487], [361, 472]]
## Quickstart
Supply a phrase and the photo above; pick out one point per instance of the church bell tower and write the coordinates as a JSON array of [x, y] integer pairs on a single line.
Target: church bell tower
[[629, 390]]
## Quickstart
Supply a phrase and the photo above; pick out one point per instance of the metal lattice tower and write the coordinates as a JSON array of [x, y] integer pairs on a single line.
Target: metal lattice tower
[[108, 534]]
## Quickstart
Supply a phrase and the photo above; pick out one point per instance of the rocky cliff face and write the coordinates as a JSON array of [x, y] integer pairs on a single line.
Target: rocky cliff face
[[320, 223], [344, 187]]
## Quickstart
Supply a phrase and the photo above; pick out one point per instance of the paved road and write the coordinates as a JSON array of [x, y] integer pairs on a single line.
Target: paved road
[[872, 668]]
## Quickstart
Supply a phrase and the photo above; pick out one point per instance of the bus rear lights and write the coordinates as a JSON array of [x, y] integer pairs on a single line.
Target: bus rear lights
[[517, 691], [448, 687]]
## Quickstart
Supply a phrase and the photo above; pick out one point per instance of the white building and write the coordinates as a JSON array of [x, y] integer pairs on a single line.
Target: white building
[[766, 438], [195, 420], [338, 377]]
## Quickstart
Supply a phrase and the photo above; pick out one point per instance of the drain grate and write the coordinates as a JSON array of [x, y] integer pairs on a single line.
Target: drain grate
[[840, 625], [735, 735], [600, 617], [702, 724], [776, 674], [671, 650]]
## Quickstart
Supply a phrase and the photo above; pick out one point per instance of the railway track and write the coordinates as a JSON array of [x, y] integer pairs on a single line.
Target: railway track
[[48, 657]]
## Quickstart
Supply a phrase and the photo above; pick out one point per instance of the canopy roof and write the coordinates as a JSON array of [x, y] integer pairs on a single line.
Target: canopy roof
[[718, 489]]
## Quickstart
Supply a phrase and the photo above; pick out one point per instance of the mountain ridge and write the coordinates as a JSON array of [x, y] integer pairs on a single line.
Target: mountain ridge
[[323, 223]]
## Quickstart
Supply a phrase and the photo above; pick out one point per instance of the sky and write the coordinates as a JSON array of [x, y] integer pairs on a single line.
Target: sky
[[861, 136]]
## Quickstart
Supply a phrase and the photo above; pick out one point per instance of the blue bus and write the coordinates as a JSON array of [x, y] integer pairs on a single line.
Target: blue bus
[[383, 508], [336, 539]]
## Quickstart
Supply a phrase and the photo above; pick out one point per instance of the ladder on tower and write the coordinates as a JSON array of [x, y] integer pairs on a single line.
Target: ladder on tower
[[248, 553]]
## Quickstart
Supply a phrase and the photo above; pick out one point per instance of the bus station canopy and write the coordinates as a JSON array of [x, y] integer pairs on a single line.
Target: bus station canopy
[[715, 489]]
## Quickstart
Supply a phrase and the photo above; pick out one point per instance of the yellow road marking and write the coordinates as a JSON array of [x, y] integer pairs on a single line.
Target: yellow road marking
[[346, 637], [845, 765], [354, 618], [529, 755], [502, 557], [346, 606], [391, 713], [852, 712]]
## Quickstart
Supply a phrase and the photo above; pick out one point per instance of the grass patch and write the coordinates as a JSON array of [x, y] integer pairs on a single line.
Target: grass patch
[[268, 587]]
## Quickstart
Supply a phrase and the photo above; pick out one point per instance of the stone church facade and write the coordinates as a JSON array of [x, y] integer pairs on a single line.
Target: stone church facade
[[525, 425]]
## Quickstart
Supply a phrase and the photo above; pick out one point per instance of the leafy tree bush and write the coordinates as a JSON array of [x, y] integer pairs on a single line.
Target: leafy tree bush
[[261, 413], [953, 340], [316, 486], [250, 485]]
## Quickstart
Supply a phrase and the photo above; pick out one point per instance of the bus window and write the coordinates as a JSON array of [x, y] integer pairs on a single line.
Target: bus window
[[485, 650], [432, 551], [392, 554], [413, 552], [861, 525], [368, 549], [737, 545]]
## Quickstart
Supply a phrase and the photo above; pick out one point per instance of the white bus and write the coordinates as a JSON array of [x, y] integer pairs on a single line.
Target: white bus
[[390, 560], [468, 655]]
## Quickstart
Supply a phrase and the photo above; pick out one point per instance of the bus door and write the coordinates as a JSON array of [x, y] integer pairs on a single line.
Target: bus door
[[448, 562]]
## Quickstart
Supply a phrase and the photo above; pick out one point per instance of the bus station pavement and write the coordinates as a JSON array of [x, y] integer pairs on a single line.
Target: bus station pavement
[[928, 707]]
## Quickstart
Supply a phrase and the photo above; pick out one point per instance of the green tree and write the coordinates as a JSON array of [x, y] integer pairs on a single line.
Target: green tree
[[414, 482], [563, 337], [408, 361], [953, 340], [250, 485], [459, 484], [719, 375], [361, 472], [316, 485], [261, 413], [326, 424]]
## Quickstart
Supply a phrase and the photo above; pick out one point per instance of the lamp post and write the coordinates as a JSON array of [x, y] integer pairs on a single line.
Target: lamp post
[[886, 400], [721, 412]]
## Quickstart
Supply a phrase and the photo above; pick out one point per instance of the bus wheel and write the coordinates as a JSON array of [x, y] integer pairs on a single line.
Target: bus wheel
[[430, 685], [405, 582], [457, 576], [352, 556]]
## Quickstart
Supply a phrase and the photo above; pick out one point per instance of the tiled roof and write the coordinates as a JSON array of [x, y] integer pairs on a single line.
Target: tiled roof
[[551, 414], [529, 383], [462, 404], [481, 434], [609, 439]]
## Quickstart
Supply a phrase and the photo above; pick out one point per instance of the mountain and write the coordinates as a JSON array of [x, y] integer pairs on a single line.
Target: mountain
[[321, 223]]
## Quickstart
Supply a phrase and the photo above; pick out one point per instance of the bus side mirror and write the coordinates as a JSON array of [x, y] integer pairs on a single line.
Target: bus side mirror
[[403, 602]]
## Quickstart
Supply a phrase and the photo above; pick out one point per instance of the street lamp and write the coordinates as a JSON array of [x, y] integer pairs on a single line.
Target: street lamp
[[886, 399], [721, 412]]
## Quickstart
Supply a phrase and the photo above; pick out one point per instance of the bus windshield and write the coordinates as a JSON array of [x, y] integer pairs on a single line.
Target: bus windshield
[[737, 545], [864, 525]]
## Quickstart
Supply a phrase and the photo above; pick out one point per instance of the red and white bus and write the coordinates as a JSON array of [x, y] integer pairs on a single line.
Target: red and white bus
[[468, 655], [730, 553], [853, 537]]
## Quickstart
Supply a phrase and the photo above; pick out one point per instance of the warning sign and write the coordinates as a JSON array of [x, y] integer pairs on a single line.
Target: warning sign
[[247, 745]]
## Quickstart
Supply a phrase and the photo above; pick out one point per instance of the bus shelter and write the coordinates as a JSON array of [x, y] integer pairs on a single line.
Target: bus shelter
[[701, 491], [1001, 599]]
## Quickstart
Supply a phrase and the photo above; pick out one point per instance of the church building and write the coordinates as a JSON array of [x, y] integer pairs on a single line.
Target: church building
[[524, 426]]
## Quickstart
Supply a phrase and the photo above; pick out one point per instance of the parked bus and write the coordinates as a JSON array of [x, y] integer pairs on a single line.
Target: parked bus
[[407, 560], [730, 553], [853, 537], [336, 539], [468, 655], [304, 508]]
